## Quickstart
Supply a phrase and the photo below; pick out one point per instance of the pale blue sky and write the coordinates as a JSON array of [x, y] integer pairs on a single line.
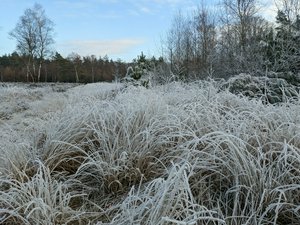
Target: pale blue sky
[[118, 28]]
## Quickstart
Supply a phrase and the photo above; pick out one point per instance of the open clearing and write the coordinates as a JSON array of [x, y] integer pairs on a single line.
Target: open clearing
[[174, 154]]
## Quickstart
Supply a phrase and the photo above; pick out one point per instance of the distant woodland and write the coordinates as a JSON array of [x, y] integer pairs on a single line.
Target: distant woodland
[[59, 69]]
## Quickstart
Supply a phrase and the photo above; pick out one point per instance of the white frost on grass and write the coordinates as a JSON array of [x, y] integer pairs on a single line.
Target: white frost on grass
[[172, 154]]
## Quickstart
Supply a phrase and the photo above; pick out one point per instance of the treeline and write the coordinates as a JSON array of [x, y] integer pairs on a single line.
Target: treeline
[[34, 60], [73, 68], [233, 39]]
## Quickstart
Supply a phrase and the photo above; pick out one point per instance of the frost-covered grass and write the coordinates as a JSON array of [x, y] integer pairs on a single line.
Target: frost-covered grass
[[172, 154]]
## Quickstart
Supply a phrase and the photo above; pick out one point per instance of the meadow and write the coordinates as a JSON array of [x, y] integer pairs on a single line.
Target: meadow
[[110, 153]]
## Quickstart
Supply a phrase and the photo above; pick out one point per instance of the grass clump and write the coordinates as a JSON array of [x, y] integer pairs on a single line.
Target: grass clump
[[174, 154], [37, 199]]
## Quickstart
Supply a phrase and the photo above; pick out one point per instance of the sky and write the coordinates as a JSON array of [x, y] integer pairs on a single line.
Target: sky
[[117, 28]]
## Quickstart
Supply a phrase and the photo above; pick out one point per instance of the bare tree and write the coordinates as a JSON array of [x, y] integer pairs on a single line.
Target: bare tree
[[205, 39], [175, 41], [93, 61], [89, 62], [240, 13], [34, 36], [191, 42], [44, 35], [291, 8], [25, 35], [76, 60], [241, 34]]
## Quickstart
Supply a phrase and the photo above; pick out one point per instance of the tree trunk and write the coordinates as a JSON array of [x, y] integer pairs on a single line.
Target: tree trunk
[[46, 73], [27, 73], [39, 72], [33, 74], [93, 75], [76, 74]]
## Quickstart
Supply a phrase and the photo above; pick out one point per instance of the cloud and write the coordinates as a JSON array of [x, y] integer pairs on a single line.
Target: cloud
[[100, 47], [167, 1], [83, 9], [89, 9], [106, 1], [173, 2], [72, 5], [269, 10], [145, 9], [156, 7], [174, 5]]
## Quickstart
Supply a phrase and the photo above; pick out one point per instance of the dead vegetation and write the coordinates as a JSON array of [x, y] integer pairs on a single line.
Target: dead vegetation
[[172, 154]]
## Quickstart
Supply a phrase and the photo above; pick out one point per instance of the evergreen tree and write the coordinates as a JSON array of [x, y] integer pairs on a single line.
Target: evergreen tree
[[285, 55]]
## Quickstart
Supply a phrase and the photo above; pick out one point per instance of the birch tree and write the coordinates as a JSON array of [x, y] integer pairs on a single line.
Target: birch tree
[[76, 61], [241, 12], [34, 36]]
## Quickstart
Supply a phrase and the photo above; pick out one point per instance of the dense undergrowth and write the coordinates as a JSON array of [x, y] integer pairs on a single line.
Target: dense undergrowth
[[173, 154]]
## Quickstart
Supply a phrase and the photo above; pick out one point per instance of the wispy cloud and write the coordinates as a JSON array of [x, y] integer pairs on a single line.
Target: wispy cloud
[[84, 4], [90, 9], [100, 47], [72, 4], [134, 7], [167, 1], [172, 3], [140, 8], [145, 9], [269, 9], [154, 7]]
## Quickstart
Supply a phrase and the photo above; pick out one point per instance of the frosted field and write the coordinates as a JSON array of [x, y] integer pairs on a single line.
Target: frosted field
[[173, 154]]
